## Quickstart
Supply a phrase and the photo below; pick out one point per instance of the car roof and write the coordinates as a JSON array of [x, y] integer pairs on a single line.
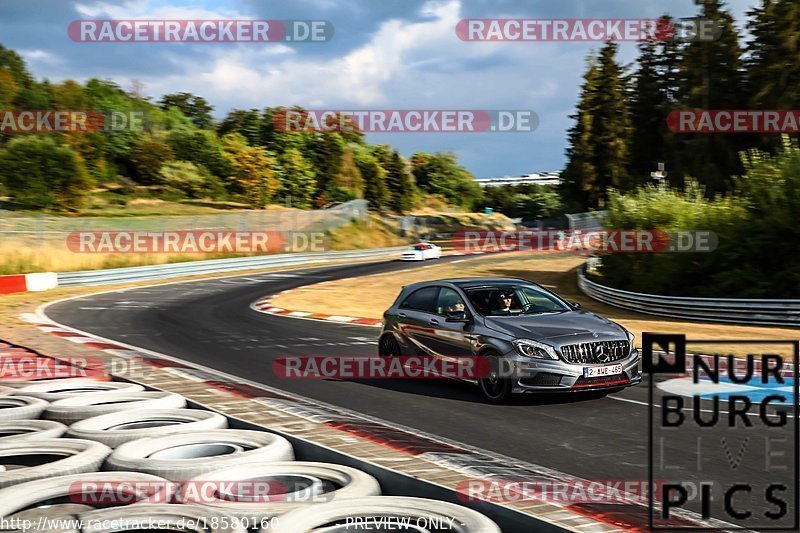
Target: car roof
[[466, 283], [481, 282]]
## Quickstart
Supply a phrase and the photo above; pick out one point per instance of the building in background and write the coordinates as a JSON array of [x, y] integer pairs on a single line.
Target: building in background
[[540, 178]]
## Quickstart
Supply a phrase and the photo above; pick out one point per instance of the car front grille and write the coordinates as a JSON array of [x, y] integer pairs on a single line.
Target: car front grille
[[587, 352]]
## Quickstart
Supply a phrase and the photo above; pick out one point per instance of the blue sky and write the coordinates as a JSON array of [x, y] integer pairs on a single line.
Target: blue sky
[[386, 54]]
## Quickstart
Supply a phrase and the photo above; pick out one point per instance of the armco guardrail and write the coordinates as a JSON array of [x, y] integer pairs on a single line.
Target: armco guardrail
[[189, 268], [744, 311]]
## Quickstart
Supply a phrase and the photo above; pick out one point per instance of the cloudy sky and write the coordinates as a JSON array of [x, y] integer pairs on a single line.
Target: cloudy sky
[[385, 54]]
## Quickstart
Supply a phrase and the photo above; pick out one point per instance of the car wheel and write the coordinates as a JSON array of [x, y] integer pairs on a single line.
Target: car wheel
[[494, 388], [388, 346]]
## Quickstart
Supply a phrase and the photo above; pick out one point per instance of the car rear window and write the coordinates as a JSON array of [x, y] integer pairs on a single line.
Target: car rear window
[[424, 299]]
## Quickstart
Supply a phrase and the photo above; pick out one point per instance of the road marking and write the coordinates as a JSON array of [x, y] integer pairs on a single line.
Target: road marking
[[658, 406]]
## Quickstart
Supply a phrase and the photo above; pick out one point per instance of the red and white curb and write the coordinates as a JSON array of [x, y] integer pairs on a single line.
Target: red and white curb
[[264, 305], [40, 281]]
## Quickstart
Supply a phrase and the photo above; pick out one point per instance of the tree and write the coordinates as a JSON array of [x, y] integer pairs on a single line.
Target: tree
[[296, 176], [440, 174], [348, 176], [772, 78], [39, 173], [253, 175], [649, 108], [400, 189], [194, 107], [374, 175], [201, 147], [69, 95], [610, 127], [246, 123], [12, 62], [326, 151], [8, 89], [190, 180], [599, 152], [147, 157], [580, 176], [711, 78]]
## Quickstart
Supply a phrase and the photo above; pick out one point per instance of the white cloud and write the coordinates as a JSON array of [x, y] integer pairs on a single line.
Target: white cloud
[[39, 56]]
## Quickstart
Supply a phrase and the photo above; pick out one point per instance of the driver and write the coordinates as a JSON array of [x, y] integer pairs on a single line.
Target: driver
[[505, 299]]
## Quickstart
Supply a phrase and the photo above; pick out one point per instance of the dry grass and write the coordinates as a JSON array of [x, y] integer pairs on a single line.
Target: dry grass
[[369, 296], [358, 235], [52, 255]]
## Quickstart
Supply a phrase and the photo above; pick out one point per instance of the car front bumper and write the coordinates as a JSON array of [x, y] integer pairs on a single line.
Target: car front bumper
[[536, 375]]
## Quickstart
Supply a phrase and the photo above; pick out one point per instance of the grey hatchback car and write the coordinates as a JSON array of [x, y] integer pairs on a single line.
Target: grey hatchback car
[[534, 340]]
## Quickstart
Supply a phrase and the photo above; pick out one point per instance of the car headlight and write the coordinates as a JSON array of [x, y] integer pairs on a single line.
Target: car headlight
[[631, 338], [538, 350]]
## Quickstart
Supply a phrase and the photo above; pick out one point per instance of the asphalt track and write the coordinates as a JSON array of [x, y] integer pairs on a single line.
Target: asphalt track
[[601, 438]]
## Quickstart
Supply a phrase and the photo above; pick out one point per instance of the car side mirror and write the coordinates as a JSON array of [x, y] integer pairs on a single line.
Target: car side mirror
[[576, 305], [457, 316]]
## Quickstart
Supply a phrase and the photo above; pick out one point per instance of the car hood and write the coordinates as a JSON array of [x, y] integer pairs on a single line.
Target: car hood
[[562, 328]]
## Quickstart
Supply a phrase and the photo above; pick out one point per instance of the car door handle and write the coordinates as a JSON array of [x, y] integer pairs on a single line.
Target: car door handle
[[434, 321], [402, 315]]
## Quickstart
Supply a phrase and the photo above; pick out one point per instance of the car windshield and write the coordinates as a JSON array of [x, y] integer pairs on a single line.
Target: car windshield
[[510, 300]]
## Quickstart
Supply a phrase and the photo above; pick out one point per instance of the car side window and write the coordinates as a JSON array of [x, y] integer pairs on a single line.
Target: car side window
[[449, 301], [424, 299]]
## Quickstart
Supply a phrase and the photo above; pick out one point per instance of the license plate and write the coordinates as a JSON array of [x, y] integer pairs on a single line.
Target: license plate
[[598, 371]]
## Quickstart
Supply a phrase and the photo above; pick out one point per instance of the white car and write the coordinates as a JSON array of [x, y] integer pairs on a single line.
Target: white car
[[421, 252]]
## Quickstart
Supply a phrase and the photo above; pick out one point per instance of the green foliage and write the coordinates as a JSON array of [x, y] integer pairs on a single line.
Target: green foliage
[[187, 179], [348, 176], [147, 158], [245, 123], [12, 62], [40, 173], [756, 227], [194, 107], [8, 89], [202, 148], [440, 174], [374, 179], [180, 146], [599, 149], [326, 153], [400, 189], [523, 201], [296, 176], [253, 175]]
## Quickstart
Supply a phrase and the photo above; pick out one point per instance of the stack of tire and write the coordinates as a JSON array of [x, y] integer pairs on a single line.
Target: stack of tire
[[106, 452]]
